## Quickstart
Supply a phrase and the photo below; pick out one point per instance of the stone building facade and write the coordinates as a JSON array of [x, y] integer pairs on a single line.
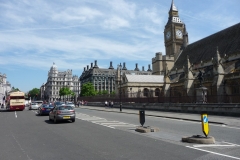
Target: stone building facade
[[56, 80], [108, 78], [5, 87], [216, 56]]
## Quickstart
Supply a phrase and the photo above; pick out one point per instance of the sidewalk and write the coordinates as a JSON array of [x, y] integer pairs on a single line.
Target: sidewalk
[[222, 120]]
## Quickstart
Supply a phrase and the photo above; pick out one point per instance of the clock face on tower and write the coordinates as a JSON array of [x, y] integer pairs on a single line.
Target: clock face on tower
[[179, 33], [168, 35]]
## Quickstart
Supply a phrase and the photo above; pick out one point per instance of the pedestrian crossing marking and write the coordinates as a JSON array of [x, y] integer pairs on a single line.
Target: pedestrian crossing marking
[[103, 122]]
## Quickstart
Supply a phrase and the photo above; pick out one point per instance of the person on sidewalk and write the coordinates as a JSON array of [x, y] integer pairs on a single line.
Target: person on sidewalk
[[111, 104], [106, 103]]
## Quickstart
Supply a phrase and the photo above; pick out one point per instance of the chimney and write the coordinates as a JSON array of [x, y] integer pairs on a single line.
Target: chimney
[[124, 66], [136, 69], [87, 67], [149, 69], [84, 69], [91, 65], [142, 68], [95, 65], [111, 67]]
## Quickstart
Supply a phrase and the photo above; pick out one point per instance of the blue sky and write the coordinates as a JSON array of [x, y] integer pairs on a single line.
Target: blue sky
[[74, 33]]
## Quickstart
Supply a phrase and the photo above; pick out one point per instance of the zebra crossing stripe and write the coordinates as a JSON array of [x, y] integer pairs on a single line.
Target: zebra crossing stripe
[[103, 121]]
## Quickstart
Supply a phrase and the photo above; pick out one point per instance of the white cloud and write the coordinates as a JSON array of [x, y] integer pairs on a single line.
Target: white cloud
[[76, 14], [151, 15], [123, 8], [115, 22]]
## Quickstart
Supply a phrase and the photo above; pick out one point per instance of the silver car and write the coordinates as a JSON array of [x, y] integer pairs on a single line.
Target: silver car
[[61, 113], [70, 104], [33, 106]]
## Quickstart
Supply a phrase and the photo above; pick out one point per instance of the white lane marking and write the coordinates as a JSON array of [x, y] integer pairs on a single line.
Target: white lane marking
[[103, 122], [19, 145], [15, 114], [231, 127], [215, 145], [123, 125], [224, 155], [231, 143], [108, 126]]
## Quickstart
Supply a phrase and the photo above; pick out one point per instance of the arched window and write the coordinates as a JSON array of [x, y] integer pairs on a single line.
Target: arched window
[[145, 92], [157, 92]]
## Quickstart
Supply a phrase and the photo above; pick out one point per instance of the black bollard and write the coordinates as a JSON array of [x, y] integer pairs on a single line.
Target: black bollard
[[142, 117]]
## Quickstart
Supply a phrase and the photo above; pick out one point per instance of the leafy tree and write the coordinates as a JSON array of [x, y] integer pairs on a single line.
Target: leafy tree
[[34, 93], [15, 89], [104, 92], [65, 91], [87, 89], [113, 93]]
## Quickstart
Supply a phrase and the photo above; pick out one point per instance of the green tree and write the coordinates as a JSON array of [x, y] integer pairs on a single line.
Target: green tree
[[65, 91], [34, 93], [15, 89], [113, 93], [87, 89], [104, 92]]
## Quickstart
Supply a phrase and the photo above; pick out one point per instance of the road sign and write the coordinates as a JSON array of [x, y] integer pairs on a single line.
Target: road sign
[[142, 117], [205, 126]]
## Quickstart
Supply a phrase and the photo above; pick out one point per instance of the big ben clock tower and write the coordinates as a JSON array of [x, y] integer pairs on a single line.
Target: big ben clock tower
[[174, 33]]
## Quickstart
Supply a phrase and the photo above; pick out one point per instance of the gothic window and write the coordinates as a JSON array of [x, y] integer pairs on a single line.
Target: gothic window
[[157, 92], [145, 92]]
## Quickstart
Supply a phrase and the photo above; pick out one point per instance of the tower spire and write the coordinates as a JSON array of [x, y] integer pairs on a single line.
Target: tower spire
[[173, 7], [173, 14]]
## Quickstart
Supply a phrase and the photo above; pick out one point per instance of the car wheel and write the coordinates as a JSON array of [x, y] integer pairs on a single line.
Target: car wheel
[[55, 120], [73, 120]]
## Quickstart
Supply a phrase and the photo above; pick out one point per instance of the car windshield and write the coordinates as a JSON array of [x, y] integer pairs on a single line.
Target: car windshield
[[65, 108], [59, 103], [34, 104]]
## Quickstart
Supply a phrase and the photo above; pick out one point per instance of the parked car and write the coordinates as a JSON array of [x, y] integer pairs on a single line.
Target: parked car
[[61, 113], [39, 103], [44, 109], [58, 103], [33, 106], [70, 104]]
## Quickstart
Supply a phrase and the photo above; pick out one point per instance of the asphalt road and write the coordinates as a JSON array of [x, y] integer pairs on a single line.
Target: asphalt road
[[174, 129], [94, 135]]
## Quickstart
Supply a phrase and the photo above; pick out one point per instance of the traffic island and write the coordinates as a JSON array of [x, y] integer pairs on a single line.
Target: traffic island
[[199, 139], [146, 129]]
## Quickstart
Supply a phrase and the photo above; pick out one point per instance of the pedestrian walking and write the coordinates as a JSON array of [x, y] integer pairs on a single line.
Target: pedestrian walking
[[106, 103], [111, 104]]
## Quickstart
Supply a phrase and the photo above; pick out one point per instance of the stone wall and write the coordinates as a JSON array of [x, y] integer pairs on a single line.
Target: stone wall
[[212, 109]]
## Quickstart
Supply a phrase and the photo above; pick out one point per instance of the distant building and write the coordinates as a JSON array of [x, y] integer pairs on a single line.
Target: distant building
[[141, 85], [57, 80], [108, 78], [5, 87]]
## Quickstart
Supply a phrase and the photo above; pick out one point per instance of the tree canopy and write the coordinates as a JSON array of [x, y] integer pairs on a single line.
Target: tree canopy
[[66, 91], [34, 93], [15, 89], [87, 89]]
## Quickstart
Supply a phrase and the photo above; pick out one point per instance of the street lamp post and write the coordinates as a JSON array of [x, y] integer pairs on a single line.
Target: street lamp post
[[120, 67]]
